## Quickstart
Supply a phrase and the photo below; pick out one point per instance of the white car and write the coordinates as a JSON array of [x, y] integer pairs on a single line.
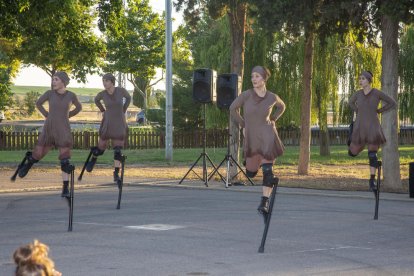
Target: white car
[[2, 117]]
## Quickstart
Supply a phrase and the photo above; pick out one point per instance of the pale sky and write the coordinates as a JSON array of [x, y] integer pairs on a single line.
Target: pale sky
[[34, 76]]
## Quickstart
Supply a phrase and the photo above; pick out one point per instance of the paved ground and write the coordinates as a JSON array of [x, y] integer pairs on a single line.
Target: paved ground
[[169, 229]]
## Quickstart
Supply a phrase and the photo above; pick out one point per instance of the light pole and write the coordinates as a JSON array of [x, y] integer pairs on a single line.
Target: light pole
[[168, 83]]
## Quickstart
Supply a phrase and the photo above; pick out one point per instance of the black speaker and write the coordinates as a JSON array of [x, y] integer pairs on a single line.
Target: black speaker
[[228, 88], [204, 85]]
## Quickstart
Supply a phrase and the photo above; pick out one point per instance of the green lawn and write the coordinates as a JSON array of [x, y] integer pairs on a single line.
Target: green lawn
[[22, 90], [188, 156]]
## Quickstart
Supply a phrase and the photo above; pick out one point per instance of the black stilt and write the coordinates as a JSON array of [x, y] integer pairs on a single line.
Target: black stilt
[[84, 166], [71, 196], [120, 182], [268, 216], [13, 178], [377, 191]]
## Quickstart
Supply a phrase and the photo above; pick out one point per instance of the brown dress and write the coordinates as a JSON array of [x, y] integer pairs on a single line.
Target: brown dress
[[261, 137], [113, 125], [56, 130], [367, 128]]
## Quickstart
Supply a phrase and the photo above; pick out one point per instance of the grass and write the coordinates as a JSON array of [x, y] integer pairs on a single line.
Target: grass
[[336, 172], [156, 157], [22, 90]]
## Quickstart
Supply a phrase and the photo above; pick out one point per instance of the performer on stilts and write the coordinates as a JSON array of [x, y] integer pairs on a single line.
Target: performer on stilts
[[261, 140], [113, 125], [56, 130], [367, 128]]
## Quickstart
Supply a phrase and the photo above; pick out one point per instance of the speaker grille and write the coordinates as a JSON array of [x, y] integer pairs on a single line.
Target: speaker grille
[[204, 85]]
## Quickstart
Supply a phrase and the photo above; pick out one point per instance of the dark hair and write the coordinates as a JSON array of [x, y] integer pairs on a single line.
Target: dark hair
[[110, 77], [368, 75]]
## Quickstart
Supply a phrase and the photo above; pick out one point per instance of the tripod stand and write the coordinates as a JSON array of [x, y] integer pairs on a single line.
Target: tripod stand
[[229, 161], [204, 156]]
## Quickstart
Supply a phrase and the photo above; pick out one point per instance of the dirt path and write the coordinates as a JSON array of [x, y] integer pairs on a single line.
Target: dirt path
[[320, 177]]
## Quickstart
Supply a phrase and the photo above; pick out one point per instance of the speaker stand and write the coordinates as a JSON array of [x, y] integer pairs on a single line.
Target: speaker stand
[[229, 162], [204, 156]]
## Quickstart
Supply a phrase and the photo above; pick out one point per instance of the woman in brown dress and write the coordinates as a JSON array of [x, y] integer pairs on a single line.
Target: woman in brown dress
[[56, 130], [261, 141], [367, 128], [113, 125]]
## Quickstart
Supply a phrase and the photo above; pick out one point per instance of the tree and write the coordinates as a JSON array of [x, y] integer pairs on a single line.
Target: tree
[[406, 73], [386, 17], [58, 35], [236, 12], [138, 49], [298, 18]]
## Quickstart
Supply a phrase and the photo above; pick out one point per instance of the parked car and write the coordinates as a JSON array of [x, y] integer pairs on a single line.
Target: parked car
[[2, 117], [151, 117], [140, 118]]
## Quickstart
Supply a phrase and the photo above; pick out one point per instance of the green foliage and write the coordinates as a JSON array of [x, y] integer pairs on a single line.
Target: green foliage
[[406, 72], [30, 102], [8, 69], [58, 35], [138, 48], [110, 11]]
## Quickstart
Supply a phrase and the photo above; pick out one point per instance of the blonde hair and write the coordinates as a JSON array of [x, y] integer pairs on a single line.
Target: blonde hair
[[32, 260]]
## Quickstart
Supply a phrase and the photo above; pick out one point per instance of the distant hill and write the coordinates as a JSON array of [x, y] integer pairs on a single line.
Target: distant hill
[[21, 90]]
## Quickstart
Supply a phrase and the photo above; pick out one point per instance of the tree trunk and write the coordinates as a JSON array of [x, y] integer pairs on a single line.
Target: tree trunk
[[389, 83], [237, 18], [306, 100]]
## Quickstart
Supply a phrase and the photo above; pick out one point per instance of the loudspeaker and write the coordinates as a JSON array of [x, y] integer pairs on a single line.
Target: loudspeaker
[[204, 85], [228, 88]]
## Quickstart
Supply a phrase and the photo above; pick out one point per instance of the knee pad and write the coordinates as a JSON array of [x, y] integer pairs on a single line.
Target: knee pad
[[373, 159], [117, 153], [267, 174], [96, 151], [267, 168], [30, 159], [250, 174], [351, 154], [65, 165]]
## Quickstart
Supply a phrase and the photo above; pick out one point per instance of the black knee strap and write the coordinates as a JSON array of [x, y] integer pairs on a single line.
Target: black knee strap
[[30, 158], [96, 151], [65, 165], [118, 153], [373, 159], [351, 154], [251, 174], [268, 176]]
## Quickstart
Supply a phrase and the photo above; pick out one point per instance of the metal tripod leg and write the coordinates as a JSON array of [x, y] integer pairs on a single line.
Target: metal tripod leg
[[377, 191], [268, 216], [229, 159], [120, 182]]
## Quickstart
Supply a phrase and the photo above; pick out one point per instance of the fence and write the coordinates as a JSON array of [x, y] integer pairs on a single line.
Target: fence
[[182, 139]]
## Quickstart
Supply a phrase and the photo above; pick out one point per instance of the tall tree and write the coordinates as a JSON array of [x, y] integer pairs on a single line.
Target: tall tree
[[406, 73], [386, 16], [138, 48], [58, 35], [298, 18], [236, 12]]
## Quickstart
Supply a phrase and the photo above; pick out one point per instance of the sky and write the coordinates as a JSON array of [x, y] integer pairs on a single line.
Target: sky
[[34, 76]]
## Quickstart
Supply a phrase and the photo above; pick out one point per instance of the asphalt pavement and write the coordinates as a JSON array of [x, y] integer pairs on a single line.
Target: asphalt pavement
[[166, 228]]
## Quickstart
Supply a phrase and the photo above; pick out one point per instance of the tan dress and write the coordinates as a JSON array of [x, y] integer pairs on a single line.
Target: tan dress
[[56, 130], [261, 137], [367, 127], [113, 125]]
